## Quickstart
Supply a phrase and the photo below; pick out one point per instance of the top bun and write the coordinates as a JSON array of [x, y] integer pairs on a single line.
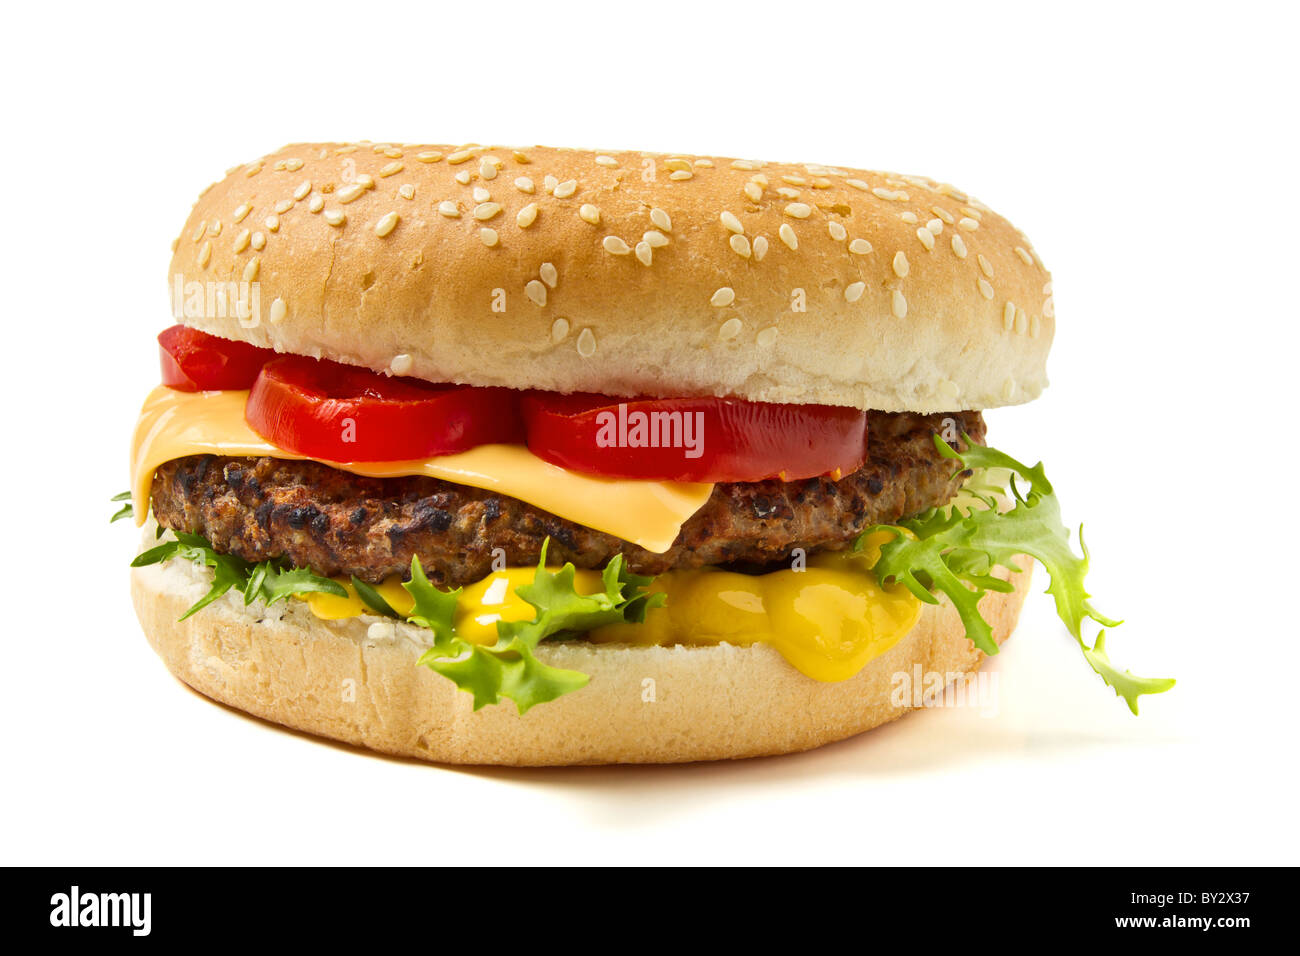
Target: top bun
[[624, 273]]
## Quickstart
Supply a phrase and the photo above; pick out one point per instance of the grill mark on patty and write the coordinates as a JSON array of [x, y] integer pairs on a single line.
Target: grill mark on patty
[[335, 522]]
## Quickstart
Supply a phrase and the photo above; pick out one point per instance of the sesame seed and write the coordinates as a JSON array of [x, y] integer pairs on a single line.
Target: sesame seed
[[606, 161], [731, 222], [215, 228], [970, 225], [406, 191], [449, 209], [283, 206], [959, 247], [253, 170], [387, 223], [241, 212], [973, 213], [429, 157], [760, 248], [251, 270], [753, 191], [644, 252], [759, 179], [858, 184], [730, 329], [335, 217], [860, 247], [589, 213], [889, 194], [464, 176], [785, 192], [704, 163], [767, 337], [909, 218], [616, 246], [1047, 287], [925, 237], [676, 163], [742, 164], [521, 157], [821, 182], [402, 364], [901, 267], [680, 174], [550, 275], [365, 181], [242, 240], [526, 216], [205, 254], [1025, 257], [480, 194], [566, 189], [943, 214], [1008, 389], [258, 241], [723, 297], [317, 204], [661, 220], [899, 305], [198, 233], [460, 156], [1049, 308], [787, 236], [489, 237], [837, 231], [948, 389], [349, 192], [487, 169], [853, 291], [392, 169], [798, 210], [1022, 322], [934, 227], [1008, 316], [1034, 326], [525, 185], [278, 311], [301, 193], [486, 210], [654, 239], [586, 343], [739, 245], [536, 291], [559, 330], [549, 183], [794, 180], [986, 290], [985, 266]]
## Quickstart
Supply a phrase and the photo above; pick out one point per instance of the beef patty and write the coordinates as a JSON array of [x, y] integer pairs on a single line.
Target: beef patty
[[339, 523]]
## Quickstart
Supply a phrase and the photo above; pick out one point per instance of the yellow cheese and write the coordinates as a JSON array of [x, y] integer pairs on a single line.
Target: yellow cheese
[[176, 424], [828, 620]]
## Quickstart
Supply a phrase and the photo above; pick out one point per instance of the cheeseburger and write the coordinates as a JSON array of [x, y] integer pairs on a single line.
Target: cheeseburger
[[549, 456]]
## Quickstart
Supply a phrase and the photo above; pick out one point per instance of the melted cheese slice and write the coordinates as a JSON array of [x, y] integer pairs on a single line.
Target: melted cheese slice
[[647, 513]]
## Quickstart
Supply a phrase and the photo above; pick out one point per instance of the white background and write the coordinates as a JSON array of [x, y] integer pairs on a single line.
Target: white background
[[1148, 150]]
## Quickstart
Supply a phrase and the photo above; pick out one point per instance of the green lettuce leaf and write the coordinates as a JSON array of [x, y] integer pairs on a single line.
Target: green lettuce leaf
[[509, 668], [954, 549], [126, 511], [270, 581]]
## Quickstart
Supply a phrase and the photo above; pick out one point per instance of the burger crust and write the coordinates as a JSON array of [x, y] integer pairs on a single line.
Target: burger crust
[[332, 679], [956, 317]]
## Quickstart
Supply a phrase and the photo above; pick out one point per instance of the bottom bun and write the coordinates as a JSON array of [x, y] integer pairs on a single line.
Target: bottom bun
[[357, 683]]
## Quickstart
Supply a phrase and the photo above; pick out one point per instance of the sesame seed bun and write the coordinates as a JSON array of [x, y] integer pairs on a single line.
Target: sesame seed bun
[[349, 682], [627, 273]]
